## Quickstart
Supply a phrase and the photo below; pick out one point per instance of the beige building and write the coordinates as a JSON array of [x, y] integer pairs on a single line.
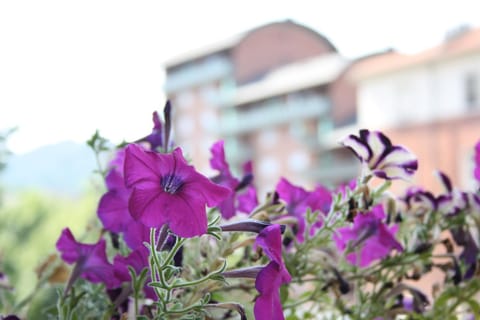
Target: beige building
[[429, 102], [272, 94]]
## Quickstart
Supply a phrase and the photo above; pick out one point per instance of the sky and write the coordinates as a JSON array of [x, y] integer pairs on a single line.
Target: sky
[[68, 68]]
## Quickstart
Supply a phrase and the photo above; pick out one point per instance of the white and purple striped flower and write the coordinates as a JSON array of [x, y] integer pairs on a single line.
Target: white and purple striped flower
[[380, 157]]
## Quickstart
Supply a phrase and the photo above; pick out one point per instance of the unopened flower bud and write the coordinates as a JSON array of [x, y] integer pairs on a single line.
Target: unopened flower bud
[[248, 225], [167, 115], [250, 272]]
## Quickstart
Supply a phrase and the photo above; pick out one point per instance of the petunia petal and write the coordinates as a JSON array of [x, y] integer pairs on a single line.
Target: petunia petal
[[270, 239], [399, 156], [218, 160], [268, 305], [150, 206], [187, 217], [360, 148], [212, 193], [379, 145], [68, 247], [143, 168], [247, 201], [136, 234], [113, 210]]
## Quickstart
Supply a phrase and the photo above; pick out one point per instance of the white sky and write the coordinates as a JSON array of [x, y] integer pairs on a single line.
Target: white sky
[[69, 67]]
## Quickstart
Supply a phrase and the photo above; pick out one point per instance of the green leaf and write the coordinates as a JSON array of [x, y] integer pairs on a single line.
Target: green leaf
[[284, 294]]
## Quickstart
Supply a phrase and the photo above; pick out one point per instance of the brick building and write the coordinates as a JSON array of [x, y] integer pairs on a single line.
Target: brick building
[[271, 93], [429, 101]]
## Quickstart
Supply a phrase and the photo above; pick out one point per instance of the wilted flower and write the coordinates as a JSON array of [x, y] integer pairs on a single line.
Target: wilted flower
[[378, 155], [272, 276], [369, 238], [166, 190], [299, 200]]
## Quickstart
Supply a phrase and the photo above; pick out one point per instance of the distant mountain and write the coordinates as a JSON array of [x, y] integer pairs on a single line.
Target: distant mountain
[[64, 168]]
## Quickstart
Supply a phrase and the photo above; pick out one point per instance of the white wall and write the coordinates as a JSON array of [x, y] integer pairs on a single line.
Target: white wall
[[419, 94]]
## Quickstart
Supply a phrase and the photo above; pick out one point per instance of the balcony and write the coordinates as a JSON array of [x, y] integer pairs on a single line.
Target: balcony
[[276, 112], [194, 74]]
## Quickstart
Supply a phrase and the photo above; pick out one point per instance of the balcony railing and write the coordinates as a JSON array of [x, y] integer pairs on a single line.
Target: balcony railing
[[198, 73], [236, 122]]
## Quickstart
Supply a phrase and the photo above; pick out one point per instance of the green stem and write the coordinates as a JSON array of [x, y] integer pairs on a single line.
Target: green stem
[[154, 264], [178, 243]]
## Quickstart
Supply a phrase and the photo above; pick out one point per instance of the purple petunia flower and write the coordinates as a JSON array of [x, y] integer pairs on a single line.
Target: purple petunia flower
[[157, 138], [244, 202], [166, 190], [272, 276], [378, 155], [138, 260], [91, 259], [298, 200], [369, 237], [225, 178], [113, 209], [452, 201], [247, 200], [113, 206]]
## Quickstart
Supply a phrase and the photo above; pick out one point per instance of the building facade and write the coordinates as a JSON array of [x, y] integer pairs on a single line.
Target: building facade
[[429, 101], [272, 94]]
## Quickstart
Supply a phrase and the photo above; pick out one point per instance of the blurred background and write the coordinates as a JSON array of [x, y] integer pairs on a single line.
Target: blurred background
[[280, 81]]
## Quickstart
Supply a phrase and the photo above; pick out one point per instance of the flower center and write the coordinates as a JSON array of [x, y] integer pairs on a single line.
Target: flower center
[[171, 183]]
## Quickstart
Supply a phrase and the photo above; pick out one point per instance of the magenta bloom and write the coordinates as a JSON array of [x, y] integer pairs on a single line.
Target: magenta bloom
[[379, 156], [247, 200], [166, 190], [272, 276], [244, 202], [138, 260], [156, 138], [369, 237], [298, 200], [113, 206], [225, 178], [91, 259], [477, 161], [113, 209]]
